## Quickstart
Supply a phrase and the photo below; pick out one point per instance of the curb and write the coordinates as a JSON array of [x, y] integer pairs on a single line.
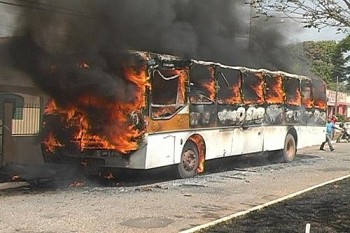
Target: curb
[[241, 213]]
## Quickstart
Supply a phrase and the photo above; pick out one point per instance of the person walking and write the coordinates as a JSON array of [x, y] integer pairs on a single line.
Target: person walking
[[330, 127]]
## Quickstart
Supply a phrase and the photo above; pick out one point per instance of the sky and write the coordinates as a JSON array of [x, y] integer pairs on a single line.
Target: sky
[[324, 34], [8, 18]]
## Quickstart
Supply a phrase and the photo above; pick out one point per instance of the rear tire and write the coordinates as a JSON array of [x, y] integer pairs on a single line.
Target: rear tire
[[189, 163], [287, 154], [290, 149]]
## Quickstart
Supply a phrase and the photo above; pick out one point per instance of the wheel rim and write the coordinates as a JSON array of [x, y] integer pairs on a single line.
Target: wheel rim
[[189, 160]]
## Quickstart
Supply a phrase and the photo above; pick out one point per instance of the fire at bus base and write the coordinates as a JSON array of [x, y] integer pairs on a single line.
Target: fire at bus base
[[183, 112]]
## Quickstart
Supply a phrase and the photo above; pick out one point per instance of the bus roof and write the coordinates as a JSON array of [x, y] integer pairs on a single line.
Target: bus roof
[[176, 61]]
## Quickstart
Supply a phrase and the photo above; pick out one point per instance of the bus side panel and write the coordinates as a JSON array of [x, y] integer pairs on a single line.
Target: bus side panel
[[218, 142], [165, 148], [310, 135], [253, 139], [274, 137], [222, 142]]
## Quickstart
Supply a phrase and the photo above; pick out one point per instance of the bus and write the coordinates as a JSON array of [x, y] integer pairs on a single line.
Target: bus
[[171, 111]]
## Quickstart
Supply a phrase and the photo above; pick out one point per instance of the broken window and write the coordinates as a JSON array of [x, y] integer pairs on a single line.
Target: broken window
[[168, 92], [253, 87], [292, 89], [319, 94], [274, 93], [229, 91], [203, 86], [306, 94]]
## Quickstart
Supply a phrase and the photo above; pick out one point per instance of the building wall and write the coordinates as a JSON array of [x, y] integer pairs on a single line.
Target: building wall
[[343, 103], [19, 132], [27, 150]]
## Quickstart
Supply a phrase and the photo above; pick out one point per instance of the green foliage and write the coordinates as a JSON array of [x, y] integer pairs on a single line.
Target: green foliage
[[323, 59], [320, 54]]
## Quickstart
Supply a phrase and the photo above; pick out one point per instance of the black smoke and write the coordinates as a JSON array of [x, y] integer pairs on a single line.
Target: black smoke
[[67, 31]]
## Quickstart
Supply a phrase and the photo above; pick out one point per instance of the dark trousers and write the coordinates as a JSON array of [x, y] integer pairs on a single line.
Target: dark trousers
[[328, 140]]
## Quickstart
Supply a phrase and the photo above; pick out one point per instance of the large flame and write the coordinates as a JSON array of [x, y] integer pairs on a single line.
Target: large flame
[[275, 93], [294, 100], [234, 96], [115, 130], [258, 88]]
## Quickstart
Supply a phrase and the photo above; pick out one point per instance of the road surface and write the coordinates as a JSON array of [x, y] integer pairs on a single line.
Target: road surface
[[170, 205]]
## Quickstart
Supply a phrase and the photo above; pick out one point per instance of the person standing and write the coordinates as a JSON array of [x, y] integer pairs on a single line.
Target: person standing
[[330, 127]]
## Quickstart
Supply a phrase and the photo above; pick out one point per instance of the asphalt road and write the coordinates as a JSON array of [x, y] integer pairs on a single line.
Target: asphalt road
[[166, 205]]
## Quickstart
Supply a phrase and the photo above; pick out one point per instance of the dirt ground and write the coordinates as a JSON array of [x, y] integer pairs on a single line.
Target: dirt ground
[[326, 209]]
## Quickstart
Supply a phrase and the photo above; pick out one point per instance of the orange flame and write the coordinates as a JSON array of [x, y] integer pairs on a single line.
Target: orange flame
[[118, 132], [51, 143], [181, 89], [308, 103], [211, 84], [320, 104], [163, 111], [296, 101], [77, 184], [275, 94], [201, 150], [258, 88], [235, 94]]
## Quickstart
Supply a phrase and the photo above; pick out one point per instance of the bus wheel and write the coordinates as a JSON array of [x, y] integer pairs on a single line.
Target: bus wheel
[[287, 154], [289, 151], [189, 161]]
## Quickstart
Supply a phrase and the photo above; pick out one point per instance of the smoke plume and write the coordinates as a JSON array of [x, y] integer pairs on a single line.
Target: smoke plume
[[221, 31]]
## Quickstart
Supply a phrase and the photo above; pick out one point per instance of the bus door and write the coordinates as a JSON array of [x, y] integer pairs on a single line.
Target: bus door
[[253, 99], [167, 115]]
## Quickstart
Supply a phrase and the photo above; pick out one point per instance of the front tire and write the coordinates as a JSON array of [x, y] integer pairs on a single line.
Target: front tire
[[189, 163]]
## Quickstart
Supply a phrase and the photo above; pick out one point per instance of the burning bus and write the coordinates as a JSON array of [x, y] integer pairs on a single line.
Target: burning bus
[[182, 112]]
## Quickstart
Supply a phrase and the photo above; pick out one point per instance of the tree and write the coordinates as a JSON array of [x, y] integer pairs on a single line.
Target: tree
[[312, 13], [327, 61]]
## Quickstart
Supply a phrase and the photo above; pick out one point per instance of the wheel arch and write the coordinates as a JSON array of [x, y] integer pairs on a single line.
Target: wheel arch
[[201, 146], [294, 133]]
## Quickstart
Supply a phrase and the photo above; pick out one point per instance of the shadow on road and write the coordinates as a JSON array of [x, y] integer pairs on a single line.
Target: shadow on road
[[45, 177]]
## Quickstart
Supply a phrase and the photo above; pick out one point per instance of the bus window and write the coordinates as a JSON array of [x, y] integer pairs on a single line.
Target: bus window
[[306, 95], [203, 87], [292, 88], [274, 93], [319, 115], [274, 97], [202, 96], [253, 87], [230, 109], [229, 91], [168, 92], [319, 94]]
